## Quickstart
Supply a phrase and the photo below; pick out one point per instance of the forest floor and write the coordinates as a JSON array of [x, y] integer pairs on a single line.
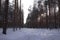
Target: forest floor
[[30, 34]]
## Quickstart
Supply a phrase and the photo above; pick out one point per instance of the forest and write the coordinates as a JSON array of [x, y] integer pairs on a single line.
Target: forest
[[44, 14]]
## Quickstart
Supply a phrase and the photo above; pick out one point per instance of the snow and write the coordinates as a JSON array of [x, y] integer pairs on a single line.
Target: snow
[[30, 34]]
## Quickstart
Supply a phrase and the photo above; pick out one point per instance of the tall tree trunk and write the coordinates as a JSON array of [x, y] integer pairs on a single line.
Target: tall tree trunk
[[17, 20], [55, 16], [0, 6], [46, 18], [20, 15], [46, 3], [15, 15], [5, 16], [49, 11], [59, 11], [0, 10]]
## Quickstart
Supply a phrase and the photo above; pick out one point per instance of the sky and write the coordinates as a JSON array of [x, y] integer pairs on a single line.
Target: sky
[[26, 4]]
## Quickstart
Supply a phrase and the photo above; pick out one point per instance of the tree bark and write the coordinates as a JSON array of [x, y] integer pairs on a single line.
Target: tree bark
[[59, 11], [46, 18], [55, 16], [0, 6], [49, 12], [5, 17]]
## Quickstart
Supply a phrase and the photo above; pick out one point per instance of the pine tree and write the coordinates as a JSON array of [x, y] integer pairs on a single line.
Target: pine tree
[[0, 6], [5, 16], [59, 11], [46, 3]]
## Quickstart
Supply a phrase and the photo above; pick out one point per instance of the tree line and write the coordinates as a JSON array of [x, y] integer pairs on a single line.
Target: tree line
[[11, 15], [45, 15]]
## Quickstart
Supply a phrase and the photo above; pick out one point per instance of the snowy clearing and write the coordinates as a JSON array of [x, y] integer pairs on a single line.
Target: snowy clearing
[[30, 34]]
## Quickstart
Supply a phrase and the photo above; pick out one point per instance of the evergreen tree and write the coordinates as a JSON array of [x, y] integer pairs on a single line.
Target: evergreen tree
[[0, 6], [5, 16], [46, 4], [59, 11]]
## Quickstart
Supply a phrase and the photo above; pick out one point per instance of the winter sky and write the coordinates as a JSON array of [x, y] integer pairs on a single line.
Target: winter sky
[[26, 4]]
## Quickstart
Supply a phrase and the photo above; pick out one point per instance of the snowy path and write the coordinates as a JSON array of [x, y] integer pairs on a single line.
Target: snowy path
[[31, 34]]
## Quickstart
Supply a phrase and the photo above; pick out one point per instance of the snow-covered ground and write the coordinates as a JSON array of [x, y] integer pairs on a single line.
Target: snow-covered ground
[[30, 34]]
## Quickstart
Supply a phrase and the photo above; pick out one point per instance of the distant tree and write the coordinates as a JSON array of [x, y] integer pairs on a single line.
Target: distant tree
[[52, 4], [10, 14], [21, 15], [33, 15], [15, 14], [49, 4], [41, 11], [46, 4], [55, 3]]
